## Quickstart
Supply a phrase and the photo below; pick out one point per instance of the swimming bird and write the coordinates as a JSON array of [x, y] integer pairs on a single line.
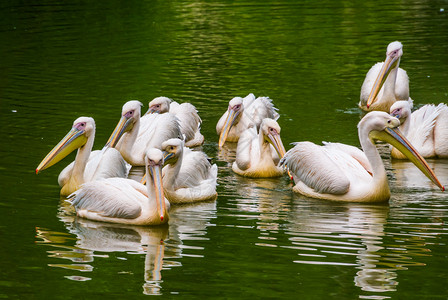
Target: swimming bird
[[126, 201], [327, 173], [189, 120], [88, 166], [426, 128], [133, 135], [385, 82], [188, 176], [241, 114], [258, 153]]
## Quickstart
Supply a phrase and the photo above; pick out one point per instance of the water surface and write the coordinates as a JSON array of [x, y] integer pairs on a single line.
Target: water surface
[[64, 59]]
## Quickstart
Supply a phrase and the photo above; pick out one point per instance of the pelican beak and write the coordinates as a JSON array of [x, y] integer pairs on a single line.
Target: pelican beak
[[151, 111], [167, 156], [125, 124], [74, 139], [276, 141], [155, 172], [389, 64], [230, 120], [394, 137]]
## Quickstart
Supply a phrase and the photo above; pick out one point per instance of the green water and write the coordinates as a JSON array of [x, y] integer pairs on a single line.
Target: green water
[[63, 59]]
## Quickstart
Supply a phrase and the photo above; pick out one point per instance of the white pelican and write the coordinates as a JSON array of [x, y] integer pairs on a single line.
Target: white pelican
[[88, 166], [426, 128], [188, 175], [189, 120], [241, 114], [258, 153], [133, 135], [385, 82], [327, 173], [126, 201]]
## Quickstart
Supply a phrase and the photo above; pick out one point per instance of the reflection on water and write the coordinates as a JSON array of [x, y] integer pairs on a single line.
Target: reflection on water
[[162, 246]]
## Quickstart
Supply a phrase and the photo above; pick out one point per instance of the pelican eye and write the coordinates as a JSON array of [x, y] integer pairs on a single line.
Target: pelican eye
[[389, 121]]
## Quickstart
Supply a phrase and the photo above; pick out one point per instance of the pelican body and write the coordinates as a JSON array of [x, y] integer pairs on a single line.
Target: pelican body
[[189, 120], [331, 173], [188, 176], [133, 135], [126, 201], [385, 82], [88, 166], [258, 153], [426, 128], [242, 114]]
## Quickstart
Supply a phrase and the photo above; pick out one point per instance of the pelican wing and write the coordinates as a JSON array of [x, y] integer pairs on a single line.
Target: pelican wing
[[188, 117], [317, 168], [259, 109], [354, 152], [369, 81], [248, 148], [195, 169], [423, 121], [113, 197], [402, 85], [157, 128]]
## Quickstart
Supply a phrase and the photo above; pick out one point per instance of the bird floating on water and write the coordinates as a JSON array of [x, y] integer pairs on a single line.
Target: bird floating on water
[[189, 120], [126, 201], [326, 172], [188, 176], [385, 82], [426, 128], [243, 113], [88, 166], [258, 153], [134, 134]]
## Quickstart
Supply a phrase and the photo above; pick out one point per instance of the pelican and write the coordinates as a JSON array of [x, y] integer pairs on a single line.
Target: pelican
[[241, 114], [88, 166], [133, 135], [188, 175], [385, 82], [189, 120], [258, 154], [126, 201], [327, 173], [426, 128]]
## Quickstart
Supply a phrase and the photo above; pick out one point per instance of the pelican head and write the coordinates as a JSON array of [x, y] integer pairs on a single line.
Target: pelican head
[[401, 110], [77, 137], [393, 55], [172, 150], [154, 165], [383, 126], [129, 115], [159, 105], [271, 133], [235, 111]]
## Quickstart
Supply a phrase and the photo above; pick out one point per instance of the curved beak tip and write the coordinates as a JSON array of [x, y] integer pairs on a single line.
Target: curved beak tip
[[37, 171], [161, 218]]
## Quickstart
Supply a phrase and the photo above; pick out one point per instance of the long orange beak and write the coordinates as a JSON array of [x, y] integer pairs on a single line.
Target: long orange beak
[[389, 64], [394, 137], [154, 175], [230, 120], [125, 124], [74, 139], [276, 141]]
